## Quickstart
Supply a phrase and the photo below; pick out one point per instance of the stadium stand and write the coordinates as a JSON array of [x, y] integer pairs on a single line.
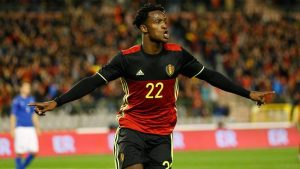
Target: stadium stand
[[55, 43]]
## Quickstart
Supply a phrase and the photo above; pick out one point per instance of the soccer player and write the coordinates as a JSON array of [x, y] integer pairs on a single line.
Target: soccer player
[[24, 127], [148, 73]]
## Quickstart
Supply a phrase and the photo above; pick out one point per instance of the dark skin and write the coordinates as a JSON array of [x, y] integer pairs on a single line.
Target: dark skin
[[154, 32], [154, 35]]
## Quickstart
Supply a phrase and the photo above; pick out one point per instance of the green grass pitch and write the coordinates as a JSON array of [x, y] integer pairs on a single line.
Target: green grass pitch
[[228, 159]]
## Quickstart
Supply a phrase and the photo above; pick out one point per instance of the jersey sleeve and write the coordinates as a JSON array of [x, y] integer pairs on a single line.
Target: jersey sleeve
[[220, 81], [113, 70], [32, 99], [191, 67]]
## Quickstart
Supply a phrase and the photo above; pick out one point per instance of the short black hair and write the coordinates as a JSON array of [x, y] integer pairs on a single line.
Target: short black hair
[[143, 12]]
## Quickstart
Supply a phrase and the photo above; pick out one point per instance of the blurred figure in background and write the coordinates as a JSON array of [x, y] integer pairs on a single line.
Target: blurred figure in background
[[24, 127], [220, 113]]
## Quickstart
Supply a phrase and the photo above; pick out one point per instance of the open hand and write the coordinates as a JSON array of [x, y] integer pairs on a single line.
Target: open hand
[[41, 107], [259, 97]]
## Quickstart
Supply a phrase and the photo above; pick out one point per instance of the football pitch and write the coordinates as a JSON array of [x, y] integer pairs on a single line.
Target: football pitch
[[228, 159]]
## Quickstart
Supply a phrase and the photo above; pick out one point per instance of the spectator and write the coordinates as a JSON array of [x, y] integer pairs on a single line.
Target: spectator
[[67, 44]]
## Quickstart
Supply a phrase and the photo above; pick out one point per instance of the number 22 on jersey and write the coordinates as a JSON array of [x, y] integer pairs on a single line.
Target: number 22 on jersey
[[151, 86]]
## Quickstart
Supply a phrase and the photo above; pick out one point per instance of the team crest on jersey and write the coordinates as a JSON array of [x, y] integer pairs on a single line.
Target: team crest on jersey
[[170, 69]]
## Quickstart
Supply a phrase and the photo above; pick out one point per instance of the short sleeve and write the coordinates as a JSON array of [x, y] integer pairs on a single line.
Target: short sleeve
[[191, 67], [113, 70], [32, 99]]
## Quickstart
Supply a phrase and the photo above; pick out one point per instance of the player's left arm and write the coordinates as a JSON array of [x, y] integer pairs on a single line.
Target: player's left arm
[[192, 68], [220, 81]]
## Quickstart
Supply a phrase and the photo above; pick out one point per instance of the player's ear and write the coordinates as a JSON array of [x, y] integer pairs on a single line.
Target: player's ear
[[144, 28]]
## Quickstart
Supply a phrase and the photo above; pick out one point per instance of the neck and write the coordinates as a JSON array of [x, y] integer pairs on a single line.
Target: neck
[[23, 95], [151, 47]]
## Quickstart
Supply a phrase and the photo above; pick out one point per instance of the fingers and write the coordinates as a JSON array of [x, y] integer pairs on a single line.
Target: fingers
[[260, 102], [260, 97], [39, 112], [263, 96], [35, 104], [267, 93], [40, 108]]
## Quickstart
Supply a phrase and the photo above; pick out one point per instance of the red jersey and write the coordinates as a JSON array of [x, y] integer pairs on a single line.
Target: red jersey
[[150, 86]]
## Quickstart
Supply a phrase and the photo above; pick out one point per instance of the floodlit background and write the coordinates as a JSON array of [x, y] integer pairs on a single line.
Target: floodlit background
[[256, 43]]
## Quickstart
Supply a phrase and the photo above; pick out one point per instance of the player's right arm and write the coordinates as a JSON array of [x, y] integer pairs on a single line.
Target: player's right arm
[[13, 118], [85, 86], [36, 123], [82, 88], [12, 124]]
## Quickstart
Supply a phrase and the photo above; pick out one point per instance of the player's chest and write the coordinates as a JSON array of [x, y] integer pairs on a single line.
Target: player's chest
[[146, 67], [23, 106]]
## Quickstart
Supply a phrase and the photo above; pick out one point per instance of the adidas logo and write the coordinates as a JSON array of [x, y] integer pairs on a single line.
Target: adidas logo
[[140, 73]]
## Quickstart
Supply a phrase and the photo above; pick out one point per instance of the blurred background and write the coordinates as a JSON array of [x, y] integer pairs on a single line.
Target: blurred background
[[53, 44]]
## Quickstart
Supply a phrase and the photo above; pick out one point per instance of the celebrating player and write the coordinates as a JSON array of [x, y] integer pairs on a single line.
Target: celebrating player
[[24, 127], [148, 75]]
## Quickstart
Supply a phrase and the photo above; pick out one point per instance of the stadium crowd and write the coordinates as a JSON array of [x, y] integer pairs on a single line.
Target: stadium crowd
[[54, 49]]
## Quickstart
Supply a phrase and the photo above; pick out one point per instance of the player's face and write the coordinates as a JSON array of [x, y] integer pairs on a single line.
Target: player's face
[[25, 89], [157, 26]]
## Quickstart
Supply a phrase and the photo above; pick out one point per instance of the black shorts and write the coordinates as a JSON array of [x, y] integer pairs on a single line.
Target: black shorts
[[133, 147]]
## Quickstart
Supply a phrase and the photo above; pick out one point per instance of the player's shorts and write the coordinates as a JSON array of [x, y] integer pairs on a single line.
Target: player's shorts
[[133, 147], [26, 140]]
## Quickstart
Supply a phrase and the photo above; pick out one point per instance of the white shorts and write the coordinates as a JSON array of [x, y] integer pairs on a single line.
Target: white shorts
[[26, 140]]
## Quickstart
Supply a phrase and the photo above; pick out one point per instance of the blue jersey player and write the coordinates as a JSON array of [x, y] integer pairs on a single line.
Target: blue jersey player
[[24, 127]]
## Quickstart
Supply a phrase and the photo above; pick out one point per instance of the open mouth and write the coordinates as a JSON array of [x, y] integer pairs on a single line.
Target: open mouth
[[166, 34]]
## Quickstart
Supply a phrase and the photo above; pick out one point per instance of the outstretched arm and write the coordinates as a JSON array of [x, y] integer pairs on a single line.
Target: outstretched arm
[[109, 72], [218, 80], [192, 68], [82, 88]]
